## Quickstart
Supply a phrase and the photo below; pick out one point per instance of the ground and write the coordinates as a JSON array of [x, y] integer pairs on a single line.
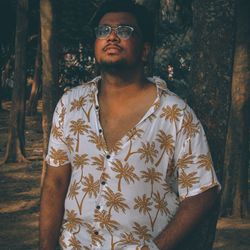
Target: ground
[[20, 191]]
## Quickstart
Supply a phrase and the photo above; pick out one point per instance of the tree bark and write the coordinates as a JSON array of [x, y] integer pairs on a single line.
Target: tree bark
[[15, 151], [210, 84], [1, 93], [50, 91], [36, 82], [235, 185]]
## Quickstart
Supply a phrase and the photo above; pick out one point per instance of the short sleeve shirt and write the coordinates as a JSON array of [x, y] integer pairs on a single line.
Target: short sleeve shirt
[[123, 198]]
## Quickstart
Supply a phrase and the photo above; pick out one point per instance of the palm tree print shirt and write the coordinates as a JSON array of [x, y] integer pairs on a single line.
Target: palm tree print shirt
[[124, 197]]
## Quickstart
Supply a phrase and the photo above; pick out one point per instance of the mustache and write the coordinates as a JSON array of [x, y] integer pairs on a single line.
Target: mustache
[[111, 45]]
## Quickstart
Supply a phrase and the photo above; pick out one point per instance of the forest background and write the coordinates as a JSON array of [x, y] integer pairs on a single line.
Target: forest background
[[202, 50]]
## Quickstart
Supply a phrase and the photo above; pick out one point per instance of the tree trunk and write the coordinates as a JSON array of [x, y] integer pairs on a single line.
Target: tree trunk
[[1, 93], [15, 151], [36, 83], [210, 84], [235, 184], [50, 70]]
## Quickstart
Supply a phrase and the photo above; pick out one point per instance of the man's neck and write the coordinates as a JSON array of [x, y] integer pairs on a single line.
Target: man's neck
[[121, 84]]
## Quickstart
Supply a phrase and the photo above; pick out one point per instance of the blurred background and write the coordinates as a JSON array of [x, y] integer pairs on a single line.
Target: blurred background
[[202, 51]]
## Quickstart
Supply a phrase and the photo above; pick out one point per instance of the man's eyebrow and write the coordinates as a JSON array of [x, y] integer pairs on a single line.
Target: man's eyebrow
[[119, 24]]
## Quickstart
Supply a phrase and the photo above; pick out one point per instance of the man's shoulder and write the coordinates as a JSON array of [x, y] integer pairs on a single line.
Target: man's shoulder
[[84, 88], [170, 98]]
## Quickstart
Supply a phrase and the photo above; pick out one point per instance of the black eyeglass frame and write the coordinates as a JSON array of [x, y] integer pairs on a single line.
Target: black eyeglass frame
[[131, 30]]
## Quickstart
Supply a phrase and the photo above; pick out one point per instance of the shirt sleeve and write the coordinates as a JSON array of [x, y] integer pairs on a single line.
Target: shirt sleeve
[[195, 171], [58, 154]]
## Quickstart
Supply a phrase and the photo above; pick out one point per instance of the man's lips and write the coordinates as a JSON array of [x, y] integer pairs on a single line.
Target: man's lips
[[112, 48]]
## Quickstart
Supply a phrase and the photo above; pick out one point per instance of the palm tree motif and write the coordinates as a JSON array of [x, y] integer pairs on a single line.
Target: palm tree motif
[[148, 152], [187, 180], [62, 242], [73, 223], [132, 135], [125, 172], [116, 147], [78, 128], [205, 161], [98, 140], [151, 176], [90, 187], [161, 206], [171, 113], [59, 156], [157, 104], [190, 129], [61, 114], [56, 132], [73, 190], [115, 200], [127, 239], [144, 205], [99, 162], [166, 144], [105, 220], [95, 238], [152, 117], [92, 98], [185, 161], [79, 104], [70, 143], [142, 231], [79, 161], [75, 244]]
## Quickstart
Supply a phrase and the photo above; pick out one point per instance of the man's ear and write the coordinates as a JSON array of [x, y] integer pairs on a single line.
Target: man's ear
[[145, 51]]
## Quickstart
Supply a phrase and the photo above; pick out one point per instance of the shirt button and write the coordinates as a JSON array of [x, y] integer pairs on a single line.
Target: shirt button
[[98, 207], [96, 232], [108, 156], [100, 131], [103, 182], [96, 107]]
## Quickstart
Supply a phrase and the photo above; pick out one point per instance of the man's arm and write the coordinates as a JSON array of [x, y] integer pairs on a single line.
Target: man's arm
[[52, 205], [189, 214]]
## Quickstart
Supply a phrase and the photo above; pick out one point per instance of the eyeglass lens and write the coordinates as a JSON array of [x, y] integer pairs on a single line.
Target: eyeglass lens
[[122, 31]]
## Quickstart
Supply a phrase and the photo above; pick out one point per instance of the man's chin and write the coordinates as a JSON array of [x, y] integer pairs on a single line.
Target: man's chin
[[113, 66]]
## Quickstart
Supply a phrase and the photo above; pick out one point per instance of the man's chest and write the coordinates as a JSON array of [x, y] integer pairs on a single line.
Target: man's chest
[[118, 122]]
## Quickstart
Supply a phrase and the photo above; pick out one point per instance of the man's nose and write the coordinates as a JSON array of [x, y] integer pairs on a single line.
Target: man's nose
[[113, 36]]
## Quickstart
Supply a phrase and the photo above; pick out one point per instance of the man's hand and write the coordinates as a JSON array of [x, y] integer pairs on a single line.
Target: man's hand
[[189, 213], [52, 205]]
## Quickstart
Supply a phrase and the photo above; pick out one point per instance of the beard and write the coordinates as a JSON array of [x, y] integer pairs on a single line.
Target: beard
[[114, 67]]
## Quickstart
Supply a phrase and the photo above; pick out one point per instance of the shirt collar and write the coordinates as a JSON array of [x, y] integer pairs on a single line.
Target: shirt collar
[[161, 85]]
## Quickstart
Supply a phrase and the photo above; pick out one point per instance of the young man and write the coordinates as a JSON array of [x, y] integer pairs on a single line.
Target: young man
[[129, 165]]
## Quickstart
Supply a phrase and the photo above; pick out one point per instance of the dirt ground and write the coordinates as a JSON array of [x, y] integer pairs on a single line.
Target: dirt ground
[[20, 190]]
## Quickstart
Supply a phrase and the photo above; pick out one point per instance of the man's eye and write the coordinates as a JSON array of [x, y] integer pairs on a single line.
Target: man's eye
[[104, 30], [123, 31]]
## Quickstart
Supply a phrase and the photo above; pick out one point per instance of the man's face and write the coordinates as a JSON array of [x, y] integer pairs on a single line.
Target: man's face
[[115, 52]]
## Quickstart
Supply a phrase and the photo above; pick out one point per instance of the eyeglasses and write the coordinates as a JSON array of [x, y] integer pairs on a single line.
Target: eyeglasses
[[122, 31]]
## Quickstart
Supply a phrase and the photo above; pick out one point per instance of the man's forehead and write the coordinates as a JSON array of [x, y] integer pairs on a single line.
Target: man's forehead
[[116, 18]]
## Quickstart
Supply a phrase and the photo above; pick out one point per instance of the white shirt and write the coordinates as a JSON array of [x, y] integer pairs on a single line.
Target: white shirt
[[124, 198]]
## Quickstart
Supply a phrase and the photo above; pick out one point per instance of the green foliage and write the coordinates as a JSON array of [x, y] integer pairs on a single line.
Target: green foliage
[[172, 59]]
